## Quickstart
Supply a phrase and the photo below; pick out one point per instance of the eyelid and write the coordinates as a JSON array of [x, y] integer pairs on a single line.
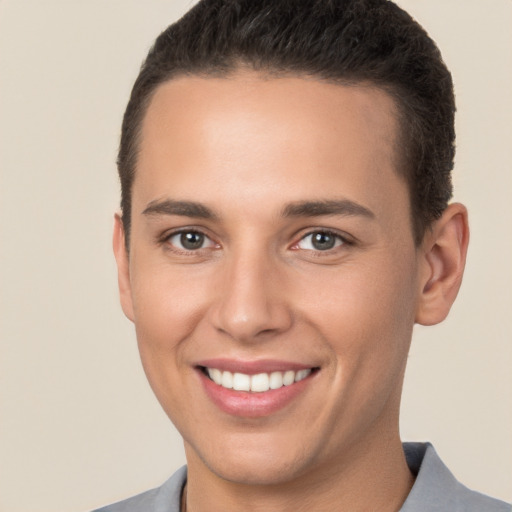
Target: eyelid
[[166, 237], [345, 239]]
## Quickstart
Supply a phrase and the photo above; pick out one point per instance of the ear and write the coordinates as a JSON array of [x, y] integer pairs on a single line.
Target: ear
[[442, 260], [123, 267]]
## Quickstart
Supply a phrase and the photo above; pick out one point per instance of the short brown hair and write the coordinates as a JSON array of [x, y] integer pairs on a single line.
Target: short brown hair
[[345, 41]]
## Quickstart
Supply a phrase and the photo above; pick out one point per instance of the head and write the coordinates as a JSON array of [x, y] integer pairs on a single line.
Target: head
[[285, 172], [347, 42]]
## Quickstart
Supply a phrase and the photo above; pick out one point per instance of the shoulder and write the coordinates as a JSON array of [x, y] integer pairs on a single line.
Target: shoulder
[[165, 498], [437, 490]]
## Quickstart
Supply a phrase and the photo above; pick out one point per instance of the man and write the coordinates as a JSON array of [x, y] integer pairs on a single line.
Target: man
[[285, 171]]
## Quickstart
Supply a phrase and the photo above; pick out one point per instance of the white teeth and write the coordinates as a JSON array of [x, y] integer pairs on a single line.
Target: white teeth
[[302, 374], [258, 383], [216, 375], [227, 380], [288, 377], [241, 382], [276, 380]]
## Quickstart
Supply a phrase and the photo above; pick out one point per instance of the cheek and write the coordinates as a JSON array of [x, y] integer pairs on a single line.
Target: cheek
[[167, 303], [381, 337], [366, 312], [167, 309]]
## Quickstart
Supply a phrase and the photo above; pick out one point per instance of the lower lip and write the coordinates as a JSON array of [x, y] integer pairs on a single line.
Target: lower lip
[[252, 405]]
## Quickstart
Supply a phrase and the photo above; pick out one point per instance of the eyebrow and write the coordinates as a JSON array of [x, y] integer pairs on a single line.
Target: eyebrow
[[182, 208], [343, 207]]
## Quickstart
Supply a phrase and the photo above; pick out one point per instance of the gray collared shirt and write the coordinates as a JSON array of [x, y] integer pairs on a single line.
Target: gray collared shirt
[[435, 490]]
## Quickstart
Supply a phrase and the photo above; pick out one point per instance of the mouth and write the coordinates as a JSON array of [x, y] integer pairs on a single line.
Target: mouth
[[257, 383], [254, 389]]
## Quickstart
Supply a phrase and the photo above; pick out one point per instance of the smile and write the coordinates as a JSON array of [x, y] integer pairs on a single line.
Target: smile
[[258, 383], [255, 389]]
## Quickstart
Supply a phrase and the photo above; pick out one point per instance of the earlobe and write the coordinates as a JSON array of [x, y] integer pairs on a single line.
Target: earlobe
[[442, 260], [123, 267]]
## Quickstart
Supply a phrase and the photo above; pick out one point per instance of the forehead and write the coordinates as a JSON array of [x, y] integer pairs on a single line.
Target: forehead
[[249, 134]]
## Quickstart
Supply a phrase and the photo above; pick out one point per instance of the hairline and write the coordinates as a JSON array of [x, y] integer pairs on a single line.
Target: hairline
[[401, 142]]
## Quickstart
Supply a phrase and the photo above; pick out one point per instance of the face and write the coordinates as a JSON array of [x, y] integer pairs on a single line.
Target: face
[[272, 275]]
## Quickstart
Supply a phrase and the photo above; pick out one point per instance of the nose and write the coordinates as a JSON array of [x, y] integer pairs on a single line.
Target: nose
[[251, 304]]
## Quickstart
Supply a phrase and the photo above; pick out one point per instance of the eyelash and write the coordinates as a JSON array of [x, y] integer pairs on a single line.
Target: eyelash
[[341, 240], [166, 238]]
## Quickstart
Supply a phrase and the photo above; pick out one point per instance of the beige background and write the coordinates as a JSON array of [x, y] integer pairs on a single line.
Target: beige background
[[79, 426]]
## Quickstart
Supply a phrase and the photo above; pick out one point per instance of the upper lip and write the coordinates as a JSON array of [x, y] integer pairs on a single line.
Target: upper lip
[[253, 367]]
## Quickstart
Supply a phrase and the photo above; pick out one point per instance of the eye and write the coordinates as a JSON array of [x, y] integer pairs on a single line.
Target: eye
[[320, 241], [190, 240]]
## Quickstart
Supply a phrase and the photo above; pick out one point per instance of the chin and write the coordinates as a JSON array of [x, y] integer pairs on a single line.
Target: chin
[[260, 464], [256, 472]]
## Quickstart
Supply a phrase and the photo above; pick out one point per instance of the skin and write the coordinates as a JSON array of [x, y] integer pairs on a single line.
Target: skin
[[246, 147]]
